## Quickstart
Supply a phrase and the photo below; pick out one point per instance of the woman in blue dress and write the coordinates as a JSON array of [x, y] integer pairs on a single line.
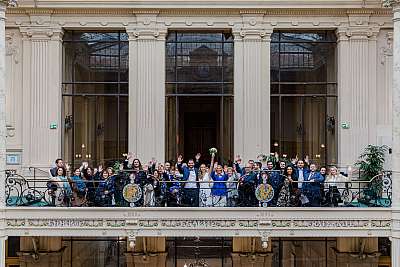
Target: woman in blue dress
[[218, 190]]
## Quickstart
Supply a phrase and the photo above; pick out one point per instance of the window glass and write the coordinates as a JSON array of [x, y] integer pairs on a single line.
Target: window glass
[[303, 95]]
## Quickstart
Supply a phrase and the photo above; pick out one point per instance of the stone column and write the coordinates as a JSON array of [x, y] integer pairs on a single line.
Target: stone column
[[396, 135], [247, 251], [42, 100], [3, 237], [252, 87], [2, 105], [148, 252], [147, 88], [357, 59]]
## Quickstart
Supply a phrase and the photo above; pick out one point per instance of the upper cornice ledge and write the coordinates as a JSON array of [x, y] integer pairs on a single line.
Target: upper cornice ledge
[[231, 4], [336, 12]]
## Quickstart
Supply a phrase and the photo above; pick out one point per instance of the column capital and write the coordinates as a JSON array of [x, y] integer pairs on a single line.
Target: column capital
[[252, 33], [42, 33], [144, 33], [357, 33], [147, 28]]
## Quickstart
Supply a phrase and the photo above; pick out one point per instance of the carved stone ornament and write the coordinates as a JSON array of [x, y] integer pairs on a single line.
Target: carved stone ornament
[[387, 50], [12, 47], [390, 3], [10, 3]]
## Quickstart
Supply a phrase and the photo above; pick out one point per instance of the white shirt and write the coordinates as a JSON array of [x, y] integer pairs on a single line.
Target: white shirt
[[301, 178], [191, 178]]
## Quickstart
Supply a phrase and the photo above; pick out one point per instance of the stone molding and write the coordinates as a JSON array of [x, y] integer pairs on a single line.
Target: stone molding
[[198, 222], [343, 12]]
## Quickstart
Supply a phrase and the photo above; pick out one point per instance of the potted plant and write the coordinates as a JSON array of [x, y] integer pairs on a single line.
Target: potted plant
[[371, 161]]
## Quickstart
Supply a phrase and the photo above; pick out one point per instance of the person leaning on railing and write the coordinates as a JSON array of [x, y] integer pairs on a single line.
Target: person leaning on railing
[[336, 184], [59, 188]]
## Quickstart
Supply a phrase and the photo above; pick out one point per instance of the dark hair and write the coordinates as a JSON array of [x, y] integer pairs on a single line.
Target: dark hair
[[293, 173], [63, 169], [190, 160], [57, 160], [140, 164]]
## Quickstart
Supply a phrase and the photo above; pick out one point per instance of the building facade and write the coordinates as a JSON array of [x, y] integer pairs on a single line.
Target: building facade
[[94, 80]]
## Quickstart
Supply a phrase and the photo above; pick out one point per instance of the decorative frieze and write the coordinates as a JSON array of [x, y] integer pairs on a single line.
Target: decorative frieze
[[197, 224]]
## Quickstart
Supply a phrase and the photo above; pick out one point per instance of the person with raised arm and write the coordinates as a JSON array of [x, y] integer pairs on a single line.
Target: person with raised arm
[[218, 190], [190, 177]]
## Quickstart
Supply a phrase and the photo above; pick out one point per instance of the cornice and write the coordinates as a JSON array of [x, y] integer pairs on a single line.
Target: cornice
[[210, 11]]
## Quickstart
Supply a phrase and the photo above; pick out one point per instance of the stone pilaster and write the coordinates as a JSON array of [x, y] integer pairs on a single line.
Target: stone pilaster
[[147, 88], [357, 59], [3, 237], [2, 106], [42, 101], [396, 135], [252, 88]]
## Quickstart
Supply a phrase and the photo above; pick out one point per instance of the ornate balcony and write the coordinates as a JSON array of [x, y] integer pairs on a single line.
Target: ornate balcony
[[363, 211], [38, 192]]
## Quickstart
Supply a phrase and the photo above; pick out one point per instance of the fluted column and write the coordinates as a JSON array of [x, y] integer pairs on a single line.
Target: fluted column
[[252, 88], [3, 237], [356, 91], [147, 88], [42, 99], [396, 134], [2, 106]]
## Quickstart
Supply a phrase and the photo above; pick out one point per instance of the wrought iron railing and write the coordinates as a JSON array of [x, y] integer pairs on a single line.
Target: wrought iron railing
[[124, 192]]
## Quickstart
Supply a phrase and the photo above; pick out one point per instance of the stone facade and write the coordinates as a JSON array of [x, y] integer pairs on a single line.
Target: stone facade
[[30, 100]]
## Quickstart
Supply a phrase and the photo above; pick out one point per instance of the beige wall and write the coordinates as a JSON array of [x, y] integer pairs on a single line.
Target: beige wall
[[34, 71]]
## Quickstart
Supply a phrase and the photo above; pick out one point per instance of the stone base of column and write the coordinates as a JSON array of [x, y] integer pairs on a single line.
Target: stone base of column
[[42, 260], [148, 252], [253, 260], [248, 251], [40, 251], [143, 260], [357, 252]]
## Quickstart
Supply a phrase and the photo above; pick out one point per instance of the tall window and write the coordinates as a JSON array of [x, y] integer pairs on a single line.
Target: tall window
[[199, 91], [304, 95], [95, 96]]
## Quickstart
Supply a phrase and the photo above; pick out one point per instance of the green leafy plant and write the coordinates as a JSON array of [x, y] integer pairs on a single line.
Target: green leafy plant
[[371, 161]]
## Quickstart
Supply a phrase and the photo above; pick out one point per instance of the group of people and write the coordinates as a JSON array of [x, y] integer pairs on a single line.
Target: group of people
[[196, 184]]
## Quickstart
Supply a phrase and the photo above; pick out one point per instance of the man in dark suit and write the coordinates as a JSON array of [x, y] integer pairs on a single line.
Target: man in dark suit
[[190, 174]]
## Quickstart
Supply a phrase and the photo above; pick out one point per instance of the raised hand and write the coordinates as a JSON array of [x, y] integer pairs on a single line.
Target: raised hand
[[238, 159], [145, 167], [180, 159], [307, 159], [198, 156]]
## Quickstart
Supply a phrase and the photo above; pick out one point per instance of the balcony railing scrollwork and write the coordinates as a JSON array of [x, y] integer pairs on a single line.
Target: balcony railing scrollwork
[[34, 191]]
